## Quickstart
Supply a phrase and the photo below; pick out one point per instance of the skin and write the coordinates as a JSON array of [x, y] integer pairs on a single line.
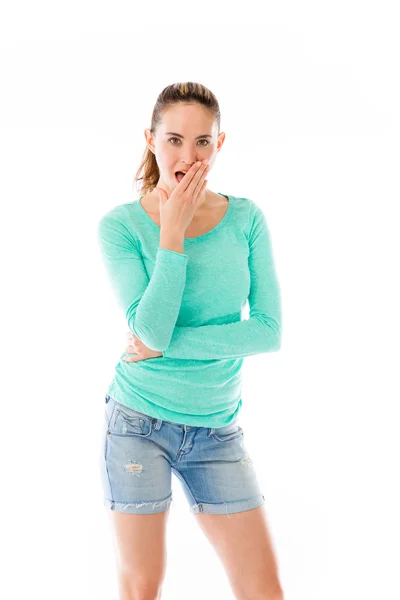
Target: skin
[[173, 154]]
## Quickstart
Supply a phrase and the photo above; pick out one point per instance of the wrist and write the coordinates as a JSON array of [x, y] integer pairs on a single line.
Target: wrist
[[172, 240]]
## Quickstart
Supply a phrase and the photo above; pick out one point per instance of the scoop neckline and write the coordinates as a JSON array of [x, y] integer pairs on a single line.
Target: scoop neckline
[[203, 235]]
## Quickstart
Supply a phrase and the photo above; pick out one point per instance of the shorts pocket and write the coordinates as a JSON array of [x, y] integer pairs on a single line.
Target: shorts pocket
[[128, 422], [226, 433]]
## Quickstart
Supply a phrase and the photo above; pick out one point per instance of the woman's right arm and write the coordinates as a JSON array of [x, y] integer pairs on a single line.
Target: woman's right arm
[[151, 306]]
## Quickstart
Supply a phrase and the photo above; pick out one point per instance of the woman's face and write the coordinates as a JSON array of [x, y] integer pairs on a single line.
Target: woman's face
[[186, 134]]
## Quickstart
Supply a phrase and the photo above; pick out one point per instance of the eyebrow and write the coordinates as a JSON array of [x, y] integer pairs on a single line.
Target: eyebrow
[[181, 136]]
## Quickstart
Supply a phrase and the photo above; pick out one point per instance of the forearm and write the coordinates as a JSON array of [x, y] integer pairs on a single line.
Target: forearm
[[157, 312], [248, 337], [151, 305], [153, 318]]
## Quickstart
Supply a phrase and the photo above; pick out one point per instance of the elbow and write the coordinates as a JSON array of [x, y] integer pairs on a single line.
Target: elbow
[[148, 336], [274, 336], [274, 341], [148, 333], [270, 333], [278, 337]]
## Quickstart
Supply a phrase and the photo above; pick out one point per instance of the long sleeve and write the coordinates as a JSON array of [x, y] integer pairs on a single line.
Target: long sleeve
[[151, 306], [261, 332]]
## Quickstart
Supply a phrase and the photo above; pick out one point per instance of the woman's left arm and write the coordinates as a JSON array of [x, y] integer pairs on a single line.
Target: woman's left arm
[[261, 332]]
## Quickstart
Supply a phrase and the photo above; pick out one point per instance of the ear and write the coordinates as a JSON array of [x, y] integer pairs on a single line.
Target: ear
[[149, 140], [220, 141]]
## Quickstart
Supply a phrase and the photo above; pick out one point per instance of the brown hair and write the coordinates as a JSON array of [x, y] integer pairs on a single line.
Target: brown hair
[[188, 92]]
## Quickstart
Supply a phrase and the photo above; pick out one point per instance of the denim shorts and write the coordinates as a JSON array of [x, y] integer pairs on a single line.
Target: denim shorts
[[139, 452]]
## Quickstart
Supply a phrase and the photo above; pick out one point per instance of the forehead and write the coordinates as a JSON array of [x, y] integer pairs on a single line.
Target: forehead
[[190, 119]]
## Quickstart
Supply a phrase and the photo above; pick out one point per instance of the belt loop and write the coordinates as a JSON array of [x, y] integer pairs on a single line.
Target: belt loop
[[158, 423]]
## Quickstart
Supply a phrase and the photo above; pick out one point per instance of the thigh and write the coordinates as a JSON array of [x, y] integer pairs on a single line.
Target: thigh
[[140, 542], [135, 474], [244, 545]]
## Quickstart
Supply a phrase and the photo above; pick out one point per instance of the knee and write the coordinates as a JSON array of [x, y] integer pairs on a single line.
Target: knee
[[141, 592], [137, 588], [148, 593]]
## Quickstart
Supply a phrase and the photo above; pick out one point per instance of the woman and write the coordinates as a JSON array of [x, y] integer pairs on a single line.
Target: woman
[[182, 261]]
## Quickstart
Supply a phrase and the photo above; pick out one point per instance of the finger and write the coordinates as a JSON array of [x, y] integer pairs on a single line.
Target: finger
[[131, 358], [202, 188], [198, 181], [187, 180]]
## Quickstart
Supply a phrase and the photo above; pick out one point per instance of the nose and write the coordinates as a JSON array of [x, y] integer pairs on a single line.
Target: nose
[[189, 159]]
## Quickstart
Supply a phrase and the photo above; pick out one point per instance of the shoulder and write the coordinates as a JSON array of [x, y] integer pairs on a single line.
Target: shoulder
[[250, 210], [117, 224], [122, 217], [253, 217], [118, 213], [252, 206]]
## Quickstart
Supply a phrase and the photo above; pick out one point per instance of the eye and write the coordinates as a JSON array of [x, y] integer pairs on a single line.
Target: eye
[[174, 138]]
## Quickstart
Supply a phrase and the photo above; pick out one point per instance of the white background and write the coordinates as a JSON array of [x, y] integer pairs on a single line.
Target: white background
[[309, 96]]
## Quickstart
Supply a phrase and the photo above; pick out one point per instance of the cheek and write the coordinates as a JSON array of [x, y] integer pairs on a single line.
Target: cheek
[[166, 163]]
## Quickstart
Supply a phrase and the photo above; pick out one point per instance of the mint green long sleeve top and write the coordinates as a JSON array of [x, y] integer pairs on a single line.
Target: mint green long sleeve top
[[189, 307]]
